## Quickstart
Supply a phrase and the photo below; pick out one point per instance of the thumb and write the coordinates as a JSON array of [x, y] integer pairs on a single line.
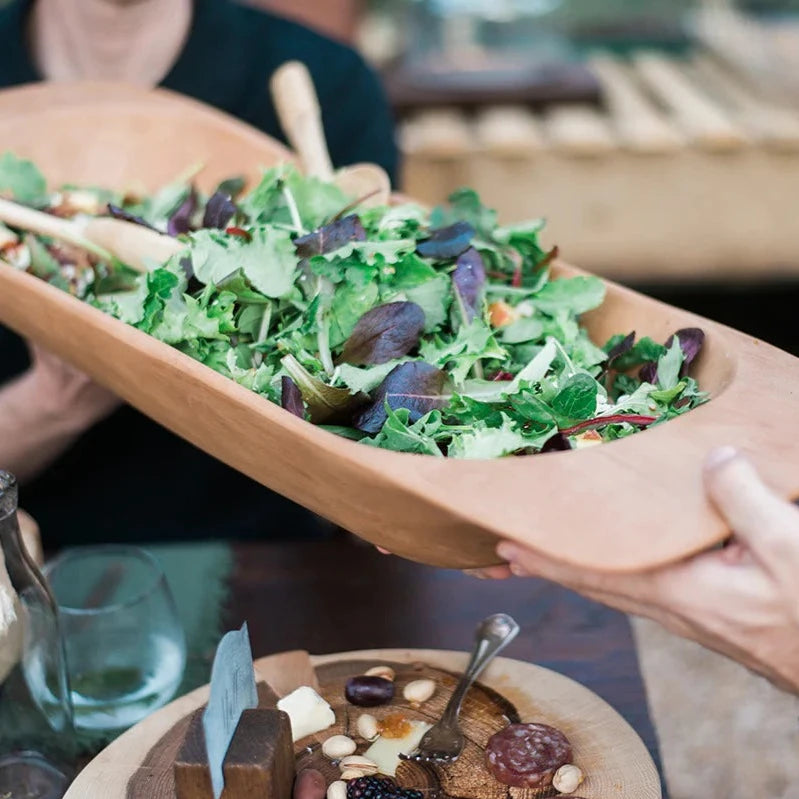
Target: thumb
[[768, 525]]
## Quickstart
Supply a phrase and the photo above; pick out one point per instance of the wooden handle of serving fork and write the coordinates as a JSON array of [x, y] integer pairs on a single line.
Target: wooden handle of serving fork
[[23, 218], [298, 109]]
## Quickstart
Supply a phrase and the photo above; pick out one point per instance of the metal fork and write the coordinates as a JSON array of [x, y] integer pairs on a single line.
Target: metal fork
[[444, 742]]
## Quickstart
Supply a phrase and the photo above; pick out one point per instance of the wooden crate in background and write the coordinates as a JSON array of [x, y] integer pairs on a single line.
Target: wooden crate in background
[[688, 173]]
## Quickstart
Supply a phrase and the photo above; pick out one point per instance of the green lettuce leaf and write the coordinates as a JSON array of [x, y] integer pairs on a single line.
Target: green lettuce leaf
[[484, 442], [268, 261], [399, 435], [22, 180], [575, 295]]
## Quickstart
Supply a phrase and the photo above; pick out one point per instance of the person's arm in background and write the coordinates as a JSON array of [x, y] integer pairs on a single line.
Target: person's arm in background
[[44, 411], [742, 600]]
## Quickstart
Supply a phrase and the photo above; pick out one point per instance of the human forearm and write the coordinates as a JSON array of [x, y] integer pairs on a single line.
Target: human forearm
[[32, 434]]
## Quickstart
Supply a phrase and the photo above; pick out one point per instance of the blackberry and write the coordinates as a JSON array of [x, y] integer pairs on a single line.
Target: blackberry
[[379, 788], [372, 788]]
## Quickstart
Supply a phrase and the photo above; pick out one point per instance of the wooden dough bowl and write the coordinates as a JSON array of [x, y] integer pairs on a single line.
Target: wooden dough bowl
[[630, 505], [614, 759]]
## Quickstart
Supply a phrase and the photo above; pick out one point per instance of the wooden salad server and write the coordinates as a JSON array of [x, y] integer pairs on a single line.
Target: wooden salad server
[[626, 506], [135, 245], [300, 115]]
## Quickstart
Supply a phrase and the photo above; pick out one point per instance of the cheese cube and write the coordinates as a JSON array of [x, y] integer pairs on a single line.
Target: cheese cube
[[307, 711]]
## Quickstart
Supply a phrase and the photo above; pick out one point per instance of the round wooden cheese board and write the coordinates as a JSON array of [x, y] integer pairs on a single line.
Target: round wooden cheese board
[[615, 761]]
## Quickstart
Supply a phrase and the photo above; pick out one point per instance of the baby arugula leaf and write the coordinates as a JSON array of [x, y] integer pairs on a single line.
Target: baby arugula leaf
[[400, 435], [385, 333], [482, 442], [364, 380], [415, 386], [669, 366]]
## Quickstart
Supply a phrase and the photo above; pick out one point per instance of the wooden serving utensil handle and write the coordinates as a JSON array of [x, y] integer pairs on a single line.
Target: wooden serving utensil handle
[[298, 109], [23, 218]]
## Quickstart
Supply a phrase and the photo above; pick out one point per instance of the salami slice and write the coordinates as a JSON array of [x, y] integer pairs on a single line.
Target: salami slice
[[527, 755]]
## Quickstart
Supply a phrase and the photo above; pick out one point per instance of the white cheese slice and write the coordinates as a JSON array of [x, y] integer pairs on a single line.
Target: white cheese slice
[[307, 711], [386, 751]]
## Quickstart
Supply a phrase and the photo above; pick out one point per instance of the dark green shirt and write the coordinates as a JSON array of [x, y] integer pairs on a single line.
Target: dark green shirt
[[127, 478]]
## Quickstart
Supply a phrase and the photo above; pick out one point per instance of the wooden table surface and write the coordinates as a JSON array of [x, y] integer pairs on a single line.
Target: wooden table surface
[[340, 595]]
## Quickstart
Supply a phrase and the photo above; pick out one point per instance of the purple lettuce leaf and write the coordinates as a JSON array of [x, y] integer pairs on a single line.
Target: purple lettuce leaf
[[331, 237], [558, 443], [469, 279], [219, 211], [649, 373], [416, 386], [180, 221], [691, 340], [622, 348], [120, 213], [447, 242], [386, 332], [291, 397]]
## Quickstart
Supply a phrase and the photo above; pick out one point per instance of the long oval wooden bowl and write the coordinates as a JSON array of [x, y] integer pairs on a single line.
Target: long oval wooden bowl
[[613, 757], [630, 505]]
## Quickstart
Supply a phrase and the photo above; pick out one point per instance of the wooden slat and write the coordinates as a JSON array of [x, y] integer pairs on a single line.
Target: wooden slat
[[508, 132], [774, 125], [703, 121], [745, 45], [640, 126], [443, 134], [579, 131]]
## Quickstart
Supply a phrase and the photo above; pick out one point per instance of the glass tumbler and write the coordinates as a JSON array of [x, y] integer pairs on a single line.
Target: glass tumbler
[[125, 647]]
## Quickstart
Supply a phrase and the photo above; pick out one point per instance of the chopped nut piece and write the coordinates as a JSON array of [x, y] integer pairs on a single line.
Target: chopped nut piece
[[386, 672], [367, 727], [567, 779], [419, 691], [338, 746]]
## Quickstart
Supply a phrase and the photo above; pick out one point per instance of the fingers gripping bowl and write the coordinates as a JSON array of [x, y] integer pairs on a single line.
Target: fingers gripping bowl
[[593, 507]]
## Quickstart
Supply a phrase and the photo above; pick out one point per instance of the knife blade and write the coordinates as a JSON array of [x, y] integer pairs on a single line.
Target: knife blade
[[233, 691]]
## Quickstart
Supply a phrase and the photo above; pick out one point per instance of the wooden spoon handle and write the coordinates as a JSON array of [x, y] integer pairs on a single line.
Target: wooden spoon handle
[[298, 109], [18, 216], [138, 247]]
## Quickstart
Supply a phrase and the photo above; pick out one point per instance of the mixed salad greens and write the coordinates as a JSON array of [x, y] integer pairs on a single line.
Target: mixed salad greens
[[440, 333]]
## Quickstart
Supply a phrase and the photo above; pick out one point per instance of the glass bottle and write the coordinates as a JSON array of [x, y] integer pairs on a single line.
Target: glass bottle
[[36, 721]]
